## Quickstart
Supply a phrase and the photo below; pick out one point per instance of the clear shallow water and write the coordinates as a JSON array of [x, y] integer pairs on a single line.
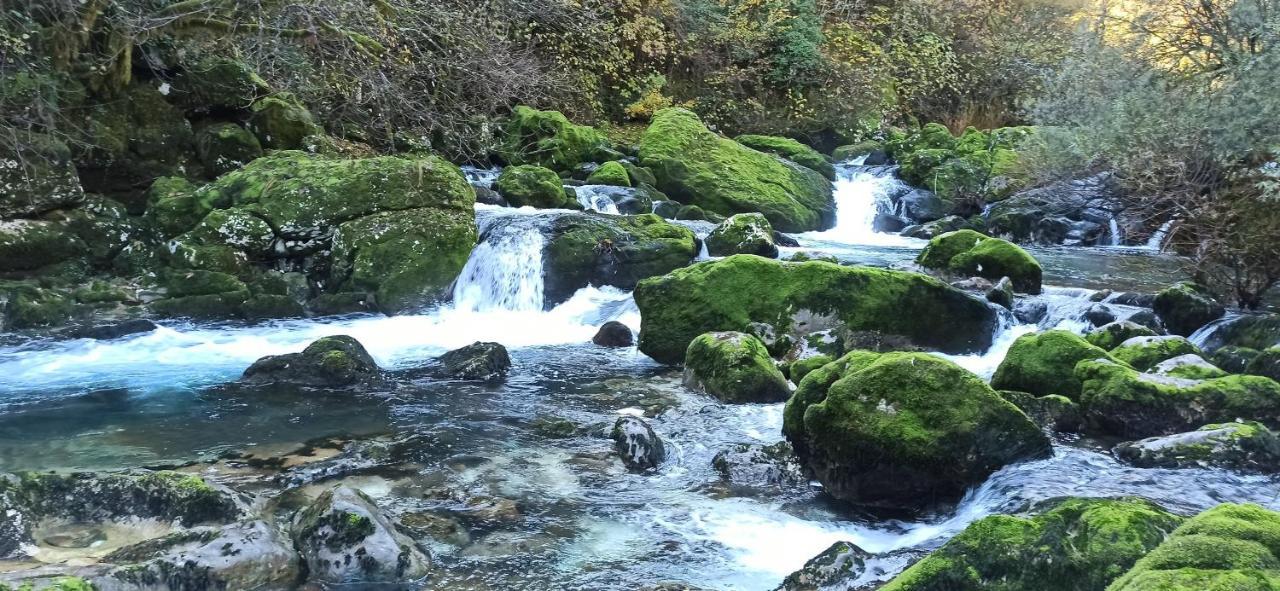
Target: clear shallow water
[[583, 522]]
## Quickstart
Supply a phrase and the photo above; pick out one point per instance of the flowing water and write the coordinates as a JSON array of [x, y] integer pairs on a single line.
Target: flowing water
[[582, 521]]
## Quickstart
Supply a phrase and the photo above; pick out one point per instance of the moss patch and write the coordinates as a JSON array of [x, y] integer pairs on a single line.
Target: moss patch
[[1045, 363]]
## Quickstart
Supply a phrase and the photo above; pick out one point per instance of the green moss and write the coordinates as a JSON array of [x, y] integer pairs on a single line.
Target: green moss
[[1071, 545], [1122, 401], [224, 147], [592, 249], [744, 293], [954, 167], [697, 167], [1110, 336], [1054, 412], [805, 366], [281, 122], [53, 584], [791, 150], [904, 429], [532, 186], [31, 306], [1245, 446], [173, 206], [1144, 353], [852, 151], [1233, 359], [734, 367], [969, 253], [745, 233], [1266, 363], [549, 140], [1185, 307], [610, 173], [1045, 363], [216, 82], [27, 245], [38, 176], [1227, 548]]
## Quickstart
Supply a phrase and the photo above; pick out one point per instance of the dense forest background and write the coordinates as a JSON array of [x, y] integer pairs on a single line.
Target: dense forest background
[[1177, 99]]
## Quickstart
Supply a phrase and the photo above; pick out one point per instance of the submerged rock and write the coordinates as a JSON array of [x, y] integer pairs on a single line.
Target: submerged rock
[[734, 367], [781, 303], [1109, 336], [106, 332], [477, 361], [1143, 353], [969, 253], [697, 167], [248, 555], [1186, 307], [1238, 446], [1044, 363], [345, 539], [759, 466], [1069, 545], [1229, 547], [745, 233], [614, 334], [904, 430], [842, 562], [328, 362], [1121, 401], [639, 446]]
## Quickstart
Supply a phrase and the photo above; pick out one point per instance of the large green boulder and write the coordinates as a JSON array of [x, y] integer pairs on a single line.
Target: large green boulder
[[969, 253], [1110, 336], [27, 245], [281, 122], [1227, 548], [904, 430], [593, 249], [745, 233], [1067, 545], [1045, 363], [784, 302], [697, 167], [612, 174], [734, 367], [532, 186], [224, 147], [1186, 307], [1121, 401], [1144, 353], [791, 150], [1244, 446], [548, 139], [37, 174], [173, 207]]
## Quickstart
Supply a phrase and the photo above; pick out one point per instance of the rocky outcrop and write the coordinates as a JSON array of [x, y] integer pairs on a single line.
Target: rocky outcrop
[[475, 362], [1186, 307], [1074, 213], [745, 233]]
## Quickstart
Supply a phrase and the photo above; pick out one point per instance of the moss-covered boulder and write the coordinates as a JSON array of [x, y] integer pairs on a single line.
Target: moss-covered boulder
[[745, 233], [734, 367], [853, 151], [27, 245], [172, 206], [345, 539], [969, 253], [975, 165], [1189, 366], [330, 362], [548, 139], [218, 83], [610, 173], [132, 141], [24, 304], [904, 430], [1266, 363], [1111, 335], [1246, 446], [532, 186], [1053, 412], [797, 370], [1233, 359], [592, 249], [783, 302], [791, 150], [37, 174], [1121, 401], [1186, 307], [697, 167], [1144, 353], [224, 147], [475, 362], [1227, 548], [1067, 545], [282, 122], [1045, 363]]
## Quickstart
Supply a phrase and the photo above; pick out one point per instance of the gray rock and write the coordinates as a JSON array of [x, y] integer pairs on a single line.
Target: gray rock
[[759, 466], [344, 538], [1240, 446], [477, 361], [328, 362], [640, 447], [614, 334], [249, 555], [843, 562]]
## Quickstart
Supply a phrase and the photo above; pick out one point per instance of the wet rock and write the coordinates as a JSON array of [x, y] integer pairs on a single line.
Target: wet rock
[[477, 361], [1110, 336], [1190, 366], [1044, 363], [1233, 359], [755, 465], [106, 332], [968, 253], [1121, 401], [593, 249], [934, 229], [1186, 307], [734, 367], [1099, 315], [1255, 331], [1143, 353], [1148, 319], [1030, 311], [785, 240], [924, 206], [667, 210], [1068, 545], [1237, 446], [487, 511], [328, 362], [532, 186], [842, 562], [433, 526], [1064, 212], [488, 196], [344, 538], [904, 430], [249, 555], [672, 586], [888, 224], [1266, 363], [555, 427], [1053, 412], [639, 446], [614, 334], [1001, 294], [745, 233], [783, 303]]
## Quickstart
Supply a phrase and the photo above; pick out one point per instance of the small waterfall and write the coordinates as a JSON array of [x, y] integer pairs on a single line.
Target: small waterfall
[[862, 193], [1156, 242], [481, 177], [1113, 233], [505, 269], [598, 198]]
